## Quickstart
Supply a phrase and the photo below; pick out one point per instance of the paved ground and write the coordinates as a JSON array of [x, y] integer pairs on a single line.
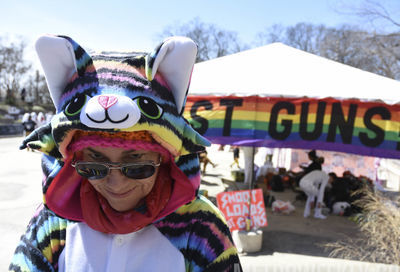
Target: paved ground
[[20, 193], [292, 233]]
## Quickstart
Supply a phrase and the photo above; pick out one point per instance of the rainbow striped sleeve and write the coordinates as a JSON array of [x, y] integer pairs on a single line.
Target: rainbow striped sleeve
[[199, 230], [41, 245]]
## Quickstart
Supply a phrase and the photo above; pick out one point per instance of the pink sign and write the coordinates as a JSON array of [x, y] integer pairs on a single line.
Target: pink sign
[[235, 207]]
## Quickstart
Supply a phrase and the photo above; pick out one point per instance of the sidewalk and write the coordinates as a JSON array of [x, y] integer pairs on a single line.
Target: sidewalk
[[20, 194]]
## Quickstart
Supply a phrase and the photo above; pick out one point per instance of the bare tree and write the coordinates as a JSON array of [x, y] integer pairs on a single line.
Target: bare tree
[[272, 34], [212, 41], [37, 91], [383, 43], [13, 68], [377, 53], [378, 11], [386, 45], [346, 45], [306, 37], [303, 36]]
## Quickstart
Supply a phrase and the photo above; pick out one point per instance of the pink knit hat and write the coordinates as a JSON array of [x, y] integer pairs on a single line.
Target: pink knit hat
[[138, 140]]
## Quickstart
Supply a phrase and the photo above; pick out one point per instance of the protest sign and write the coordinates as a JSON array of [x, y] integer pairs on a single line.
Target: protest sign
[[349, 125], [235, 207]]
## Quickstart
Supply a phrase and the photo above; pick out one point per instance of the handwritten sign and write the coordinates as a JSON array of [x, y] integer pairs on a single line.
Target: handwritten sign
[[235, 206]]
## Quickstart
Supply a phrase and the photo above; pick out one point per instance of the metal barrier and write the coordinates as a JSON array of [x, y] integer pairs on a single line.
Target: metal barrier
[[11, 130]]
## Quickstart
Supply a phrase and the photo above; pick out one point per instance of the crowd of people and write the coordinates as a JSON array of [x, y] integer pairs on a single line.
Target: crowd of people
[[318, 189], [337, 194], [32, 120]]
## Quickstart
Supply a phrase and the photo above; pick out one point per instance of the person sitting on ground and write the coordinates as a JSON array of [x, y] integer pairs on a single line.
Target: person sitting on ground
[[120, 164], [339, 191]]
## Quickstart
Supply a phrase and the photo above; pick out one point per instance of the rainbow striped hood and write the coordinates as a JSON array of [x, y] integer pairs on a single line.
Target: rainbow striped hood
[[121, 93], [118, 92]]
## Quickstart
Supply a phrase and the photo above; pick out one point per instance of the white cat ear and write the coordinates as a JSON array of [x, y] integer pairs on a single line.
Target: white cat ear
[[174, 59], [58, 57]]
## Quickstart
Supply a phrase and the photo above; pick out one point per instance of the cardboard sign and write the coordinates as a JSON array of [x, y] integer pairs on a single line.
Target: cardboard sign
[[235, 206]]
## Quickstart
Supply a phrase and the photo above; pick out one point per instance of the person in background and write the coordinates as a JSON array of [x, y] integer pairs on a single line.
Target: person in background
[[338, 191], [266, 168], [41, 119], [236, 152], [25, 117], [315, 164], [121, 170], [205, 160], [29, 125], [34, 118], [49, 115], [313, 184]]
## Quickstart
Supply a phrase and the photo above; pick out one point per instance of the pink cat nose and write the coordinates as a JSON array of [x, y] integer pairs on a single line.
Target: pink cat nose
[[107, 101]]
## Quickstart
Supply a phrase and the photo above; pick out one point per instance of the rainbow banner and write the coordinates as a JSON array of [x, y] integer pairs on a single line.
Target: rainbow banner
[[352, 126]]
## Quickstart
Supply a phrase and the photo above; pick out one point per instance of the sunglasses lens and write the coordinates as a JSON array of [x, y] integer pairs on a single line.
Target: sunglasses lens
[[92, 171], [139, 171]]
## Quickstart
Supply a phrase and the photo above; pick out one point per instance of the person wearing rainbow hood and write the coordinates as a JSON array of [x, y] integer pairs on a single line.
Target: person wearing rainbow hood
[[120, 165]]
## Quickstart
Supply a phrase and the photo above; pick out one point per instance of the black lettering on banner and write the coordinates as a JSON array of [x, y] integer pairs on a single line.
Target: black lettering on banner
[[230, 104], [346, 128], [380, 133], [203, 122], [319, 122], [272, 128]]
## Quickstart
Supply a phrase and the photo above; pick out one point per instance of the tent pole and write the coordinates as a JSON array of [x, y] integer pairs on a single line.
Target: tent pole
[[251, 185]]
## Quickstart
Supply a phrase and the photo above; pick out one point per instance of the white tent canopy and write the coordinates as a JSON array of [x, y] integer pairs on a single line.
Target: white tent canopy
[[279, 70]]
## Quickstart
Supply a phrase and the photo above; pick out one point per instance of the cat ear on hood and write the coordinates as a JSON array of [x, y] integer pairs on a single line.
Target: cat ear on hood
[[174, 59], [61, 57]]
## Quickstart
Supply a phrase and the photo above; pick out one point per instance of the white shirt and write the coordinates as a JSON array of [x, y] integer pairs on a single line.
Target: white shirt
[[145, 250], [310, 183]]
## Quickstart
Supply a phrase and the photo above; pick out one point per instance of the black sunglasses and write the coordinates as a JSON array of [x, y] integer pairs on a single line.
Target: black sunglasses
[[99, 170]]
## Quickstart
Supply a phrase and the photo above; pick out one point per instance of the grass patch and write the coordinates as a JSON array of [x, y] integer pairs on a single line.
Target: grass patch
[[380, 227]]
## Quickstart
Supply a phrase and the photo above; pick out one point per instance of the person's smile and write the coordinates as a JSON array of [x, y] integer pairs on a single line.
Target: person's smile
[[121, 192]]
